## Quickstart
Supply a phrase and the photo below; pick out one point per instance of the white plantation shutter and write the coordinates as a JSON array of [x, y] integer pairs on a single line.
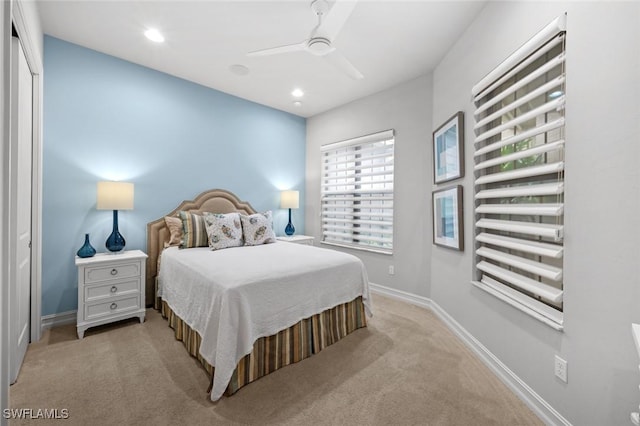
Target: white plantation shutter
[[519, 177], [357, 192]]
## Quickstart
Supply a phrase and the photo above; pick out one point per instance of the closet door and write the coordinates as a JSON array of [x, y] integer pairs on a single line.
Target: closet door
[[20, 163]]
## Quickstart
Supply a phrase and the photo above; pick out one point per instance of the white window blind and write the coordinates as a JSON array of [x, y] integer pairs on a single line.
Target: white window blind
[[519, 176], [357, 192]]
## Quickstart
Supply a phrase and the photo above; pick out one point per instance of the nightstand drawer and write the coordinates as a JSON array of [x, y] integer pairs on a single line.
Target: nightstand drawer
[[122, 270], [112, 307], [112, 289]]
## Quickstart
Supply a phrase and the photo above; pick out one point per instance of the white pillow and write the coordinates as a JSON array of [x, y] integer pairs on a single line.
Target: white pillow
[[223, 230], [258, 229]]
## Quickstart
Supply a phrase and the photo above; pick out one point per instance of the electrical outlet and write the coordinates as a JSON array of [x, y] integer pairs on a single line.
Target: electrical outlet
[[391, 270], [560, 369]]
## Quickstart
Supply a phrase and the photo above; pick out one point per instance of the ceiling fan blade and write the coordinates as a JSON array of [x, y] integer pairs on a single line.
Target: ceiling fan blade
[[343, 64], [280, 49], [336, 17]]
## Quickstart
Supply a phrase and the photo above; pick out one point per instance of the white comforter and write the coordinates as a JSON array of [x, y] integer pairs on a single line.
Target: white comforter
[[234, 296]]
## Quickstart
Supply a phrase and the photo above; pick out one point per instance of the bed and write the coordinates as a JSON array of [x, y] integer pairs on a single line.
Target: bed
[[247, 311]]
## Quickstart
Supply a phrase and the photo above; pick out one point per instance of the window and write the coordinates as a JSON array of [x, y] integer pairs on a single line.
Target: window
[[357, 193], [519, 177]]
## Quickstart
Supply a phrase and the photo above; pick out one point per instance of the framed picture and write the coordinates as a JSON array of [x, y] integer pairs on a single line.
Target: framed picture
[[448, 230], [448, 149]]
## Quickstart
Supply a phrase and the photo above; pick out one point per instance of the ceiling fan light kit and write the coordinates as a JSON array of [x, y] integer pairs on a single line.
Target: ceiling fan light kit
[[319, 43], [320, 46]]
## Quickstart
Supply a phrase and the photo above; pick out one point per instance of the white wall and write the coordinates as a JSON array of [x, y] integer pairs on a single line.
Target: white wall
[[602, 219], [407, 109]]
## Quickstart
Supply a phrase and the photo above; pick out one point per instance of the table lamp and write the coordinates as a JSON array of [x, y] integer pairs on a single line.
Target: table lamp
[[289, 200], [115, 196]]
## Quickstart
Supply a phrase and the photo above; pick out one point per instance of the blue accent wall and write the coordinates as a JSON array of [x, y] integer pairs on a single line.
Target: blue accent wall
[[109, 119]]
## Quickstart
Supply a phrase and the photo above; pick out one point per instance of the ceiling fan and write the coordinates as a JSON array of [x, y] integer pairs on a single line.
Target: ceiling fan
[[319, 43]]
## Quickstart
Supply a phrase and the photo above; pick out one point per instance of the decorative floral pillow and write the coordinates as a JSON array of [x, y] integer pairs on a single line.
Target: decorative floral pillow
[[224, 230], [194, 232], [258, 229]]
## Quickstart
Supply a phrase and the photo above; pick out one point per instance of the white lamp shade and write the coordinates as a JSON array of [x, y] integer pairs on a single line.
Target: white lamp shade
[[114, 196], [289, 199]]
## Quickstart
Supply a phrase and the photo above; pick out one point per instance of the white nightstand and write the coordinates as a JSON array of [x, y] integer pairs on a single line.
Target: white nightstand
[[298, 239], [110, 288]]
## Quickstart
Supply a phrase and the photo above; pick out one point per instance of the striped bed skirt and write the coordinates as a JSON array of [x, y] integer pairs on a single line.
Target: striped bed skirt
[[300, 341]]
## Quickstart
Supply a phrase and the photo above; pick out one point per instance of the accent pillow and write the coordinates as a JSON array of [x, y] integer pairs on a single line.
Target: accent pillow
[[174, 225], [194, 231], [258, 229], [224, 230]]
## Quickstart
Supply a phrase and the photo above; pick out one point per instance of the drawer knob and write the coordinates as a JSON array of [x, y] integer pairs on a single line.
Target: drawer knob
[[114, 289], [114, 305], [114, 271]]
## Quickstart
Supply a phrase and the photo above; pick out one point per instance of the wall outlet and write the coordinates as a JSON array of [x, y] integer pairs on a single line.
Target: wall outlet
[[391, 270], [560, 369]]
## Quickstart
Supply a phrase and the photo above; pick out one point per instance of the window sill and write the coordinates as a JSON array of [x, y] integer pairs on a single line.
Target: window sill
[[371, 250], [533, 308]]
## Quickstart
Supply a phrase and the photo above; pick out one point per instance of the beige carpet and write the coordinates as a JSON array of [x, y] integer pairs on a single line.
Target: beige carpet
[[406, 368]]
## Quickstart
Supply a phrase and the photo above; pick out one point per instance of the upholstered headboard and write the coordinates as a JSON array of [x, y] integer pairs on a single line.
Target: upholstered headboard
[[214, 201]]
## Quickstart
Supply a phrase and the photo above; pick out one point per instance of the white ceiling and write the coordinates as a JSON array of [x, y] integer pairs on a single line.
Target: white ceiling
[[388, 41]]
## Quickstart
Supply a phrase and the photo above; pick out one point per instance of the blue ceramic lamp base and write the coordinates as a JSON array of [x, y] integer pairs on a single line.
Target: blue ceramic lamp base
[[289, 230], [115, 242]]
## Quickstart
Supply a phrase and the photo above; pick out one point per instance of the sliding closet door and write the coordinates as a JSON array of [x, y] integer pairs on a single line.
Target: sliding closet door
[[20, 207]]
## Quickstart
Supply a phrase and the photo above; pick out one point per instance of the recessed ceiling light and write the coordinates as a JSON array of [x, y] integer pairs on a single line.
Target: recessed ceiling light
[[297, 93], [154, 35], [297, 103], [239, 69]]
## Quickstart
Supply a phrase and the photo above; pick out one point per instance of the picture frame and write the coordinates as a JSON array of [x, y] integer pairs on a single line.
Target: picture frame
[[448, 149], [447, 211]]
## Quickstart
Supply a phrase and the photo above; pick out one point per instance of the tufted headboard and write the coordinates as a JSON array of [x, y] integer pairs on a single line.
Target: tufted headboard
[[214, 201]]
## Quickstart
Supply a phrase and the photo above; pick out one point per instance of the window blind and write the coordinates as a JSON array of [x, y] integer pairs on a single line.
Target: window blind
[[357, 192], [519, 176]]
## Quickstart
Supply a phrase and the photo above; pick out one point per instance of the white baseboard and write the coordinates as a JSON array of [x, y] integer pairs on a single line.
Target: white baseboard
[[56, 320], [414, 299], [543, 409]]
